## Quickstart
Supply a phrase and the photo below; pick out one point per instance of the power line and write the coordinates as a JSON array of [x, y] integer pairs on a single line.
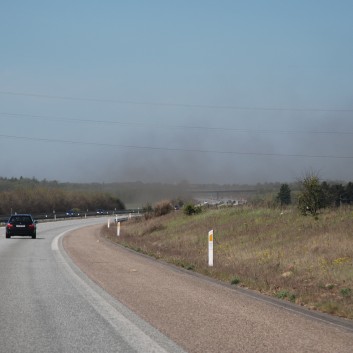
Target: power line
[[182, 105], [261, 154], [165, 126]]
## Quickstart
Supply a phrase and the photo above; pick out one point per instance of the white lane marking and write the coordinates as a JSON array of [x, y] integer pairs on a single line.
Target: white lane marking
[[55, 241], [118, 315]]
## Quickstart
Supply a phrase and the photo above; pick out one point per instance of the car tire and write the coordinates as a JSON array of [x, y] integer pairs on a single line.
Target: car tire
[[8, 236], [34, 236]]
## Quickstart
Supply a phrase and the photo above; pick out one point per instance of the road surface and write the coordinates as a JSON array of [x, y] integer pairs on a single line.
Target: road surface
[[48, 307], [124, 302]]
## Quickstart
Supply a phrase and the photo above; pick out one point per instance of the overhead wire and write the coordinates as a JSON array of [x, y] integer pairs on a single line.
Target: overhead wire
[[175, 104], [72, 142], [166, 126]]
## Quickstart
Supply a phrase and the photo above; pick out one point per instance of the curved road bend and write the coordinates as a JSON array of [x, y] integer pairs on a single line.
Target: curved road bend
[[47, 307], [202, 315]]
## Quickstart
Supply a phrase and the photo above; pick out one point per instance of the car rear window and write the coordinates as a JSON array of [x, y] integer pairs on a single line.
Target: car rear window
[[21, 219]]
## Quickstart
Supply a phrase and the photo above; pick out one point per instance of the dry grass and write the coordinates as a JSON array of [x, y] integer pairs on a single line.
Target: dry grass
[[284, 254]]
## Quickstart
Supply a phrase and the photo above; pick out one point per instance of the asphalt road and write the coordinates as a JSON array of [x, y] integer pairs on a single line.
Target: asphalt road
[[47, 306]]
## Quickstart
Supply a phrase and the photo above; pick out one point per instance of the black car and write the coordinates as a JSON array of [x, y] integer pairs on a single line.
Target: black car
[[21, 224]]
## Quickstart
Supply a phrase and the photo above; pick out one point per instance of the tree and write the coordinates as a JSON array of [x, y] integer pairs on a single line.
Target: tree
[[327, 197], [338, 193], [349, 192], [311, 197], [284, 195]]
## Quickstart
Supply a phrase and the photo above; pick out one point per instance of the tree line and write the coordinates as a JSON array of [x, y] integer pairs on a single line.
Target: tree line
[[43, 199], [315, 195]]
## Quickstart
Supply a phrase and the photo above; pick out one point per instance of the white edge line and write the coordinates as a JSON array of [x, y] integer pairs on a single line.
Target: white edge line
[[140, 340]]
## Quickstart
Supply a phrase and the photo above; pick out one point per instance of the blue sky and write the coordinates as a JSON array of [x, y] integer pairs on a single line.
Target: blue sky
[[204, 91]]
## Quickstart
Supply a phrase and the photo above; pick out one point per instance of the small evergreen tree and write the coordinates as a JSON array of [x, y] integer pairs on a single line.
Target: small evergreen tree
[[284, 195]]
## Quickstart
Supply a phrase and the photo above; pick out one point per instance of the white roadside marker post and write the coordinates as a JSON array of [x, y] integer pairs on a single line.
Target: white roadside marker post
[[210, 248], [108, 222], [118, 229]]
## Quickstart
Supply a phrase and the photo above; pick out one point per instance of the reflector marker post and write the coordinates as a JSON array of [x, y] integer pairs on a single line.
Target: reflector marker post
[[210, 248]]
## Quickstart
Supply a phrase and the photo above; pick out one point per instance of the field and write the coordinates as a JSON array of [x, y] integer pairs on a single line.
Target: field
[[277, 252]]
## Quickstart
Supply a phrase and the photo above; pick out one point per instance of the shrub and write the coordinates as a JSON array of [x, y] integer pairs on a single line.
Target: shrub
[[235, 280], [346, 292], [162, 208], [285, 294], [311, 197], [282, 294], [190, 209]]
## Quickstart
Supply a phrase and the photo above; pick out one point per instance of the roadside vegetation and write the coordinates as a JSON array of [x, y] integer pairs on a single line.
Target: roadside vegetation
[[292, 241], [33, 196], [277, 251]]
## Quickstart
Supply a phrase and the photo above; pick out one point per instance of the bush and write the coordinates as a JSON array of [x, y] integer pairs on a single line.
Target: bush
[[285, 294], [346, 292], [235, 280], [162, 208], [311, 197], [190, 209]]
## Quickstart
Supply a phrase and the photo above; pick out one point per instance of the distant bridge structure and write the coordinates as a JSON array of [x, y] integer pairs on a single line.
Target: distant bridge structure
[[225, 192]]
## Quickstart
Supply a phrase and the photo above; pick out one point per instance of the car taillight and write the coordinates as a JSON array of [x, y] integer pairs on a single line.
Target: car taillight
[[31, 226], [9, 226]]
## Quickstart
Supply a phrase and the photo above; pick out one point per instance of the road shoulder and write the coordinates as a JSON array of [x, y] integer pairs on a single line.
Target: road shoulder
[[199, 315]]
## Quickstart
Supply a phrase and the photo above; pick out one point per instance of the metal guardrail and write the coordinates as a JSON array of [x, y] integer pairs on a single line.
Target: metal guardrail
[[64, 216]]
